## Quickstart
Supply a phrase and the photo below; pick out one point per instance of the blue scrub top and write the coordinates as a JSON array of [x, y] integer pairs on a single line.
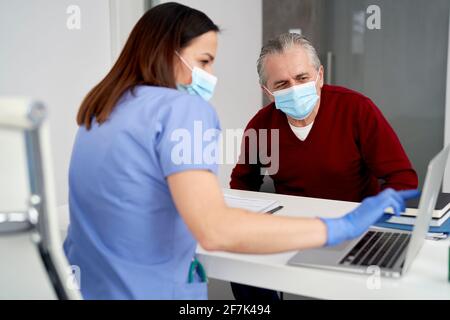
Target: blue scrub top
[[125, 234]]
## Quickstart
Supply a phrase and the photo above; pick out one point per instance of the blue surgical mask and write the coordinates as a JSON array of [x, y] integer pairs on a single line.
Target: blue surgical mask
[[299, 101], [203, 83]]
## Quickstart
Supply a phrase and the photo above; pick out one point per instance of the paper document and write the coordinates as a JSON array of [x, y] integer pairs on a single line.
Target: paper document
[[251, 204]]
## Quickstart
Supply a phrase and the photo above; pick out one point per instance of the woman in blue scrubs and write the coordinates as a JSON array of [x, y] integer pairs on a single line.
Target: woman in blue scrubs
[[144, 192]]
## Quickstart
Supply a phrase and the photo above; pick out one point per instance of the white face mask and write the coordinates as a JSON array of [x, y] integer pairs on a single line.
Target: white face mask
[[203, 83]]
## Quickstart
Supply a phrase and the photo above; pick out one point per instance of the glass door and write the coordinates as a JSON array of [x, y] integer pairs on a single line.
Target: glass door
[[394, 52]]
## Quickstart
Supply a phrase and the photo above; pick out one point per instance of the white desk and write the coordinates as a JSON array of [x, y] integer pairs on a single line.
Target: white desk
[[426, 279], [22, 272]]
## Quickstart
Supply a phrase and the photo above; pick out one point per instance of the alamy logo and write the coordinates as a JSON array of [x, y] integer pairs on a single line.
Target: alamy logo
[[74, 17], [212, 146], [373, 21], [73, 280], [374, 280]]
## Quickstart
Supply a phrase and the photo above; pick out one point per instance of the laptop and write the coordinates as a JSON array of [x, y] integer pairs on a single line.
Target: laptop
[[391, 250]]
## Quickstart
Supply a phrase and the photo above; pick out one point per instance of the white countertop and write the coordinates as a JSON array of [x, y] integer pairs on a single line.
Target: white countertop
[[426, 279]]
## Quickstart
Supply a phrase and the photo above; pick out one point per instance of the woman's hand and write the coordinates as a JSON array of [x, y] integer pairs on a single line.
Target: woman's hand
[[356, 222]]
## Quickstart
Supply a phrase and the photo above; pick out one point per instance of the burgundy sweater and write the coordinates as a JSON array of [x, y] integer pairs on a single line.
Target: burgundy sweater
[[350, 153]]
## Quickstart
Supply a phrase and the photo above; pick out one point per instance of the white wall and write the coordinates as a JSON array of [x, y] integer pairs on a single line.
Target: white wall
[[41, 58], [238, 95], [13, 178]]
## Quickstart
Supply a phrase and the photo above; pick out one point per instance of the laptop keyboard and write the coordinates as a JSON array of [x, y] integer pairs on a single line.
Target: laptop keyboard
[[378, 248]]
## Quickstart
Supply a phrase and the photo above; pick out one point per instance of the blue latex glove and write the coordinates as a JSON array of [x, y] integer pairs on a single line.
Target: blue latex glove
[[356, 222]]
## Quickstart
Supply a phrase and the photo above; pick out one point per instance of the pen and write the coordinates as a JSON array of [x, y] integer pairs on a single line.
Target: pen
[[275, 210]]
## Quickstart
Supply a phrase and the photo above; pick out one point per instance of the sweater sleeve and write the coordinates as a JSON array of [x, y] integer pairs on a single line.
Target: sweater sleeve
[[246, 175], [382, 151]]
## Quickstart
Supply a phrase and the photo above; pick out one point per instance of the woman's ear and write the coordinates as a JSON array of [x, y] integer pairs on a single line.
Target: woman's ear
[[177, 70], [182, 74]]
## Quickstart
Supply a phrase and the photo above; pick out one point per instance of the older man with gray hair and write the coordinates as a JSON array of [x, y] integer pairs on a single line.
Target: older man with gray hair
[[334, 143]]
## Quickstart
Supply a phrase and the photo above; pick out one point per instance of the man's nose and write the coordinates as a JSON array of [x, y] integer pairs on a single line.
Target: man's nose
[[293, 82]]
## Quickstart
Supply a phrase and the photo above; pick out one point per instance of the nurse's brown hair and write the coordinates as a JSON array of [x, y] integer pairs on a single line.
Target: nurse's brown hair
[[147, 58]]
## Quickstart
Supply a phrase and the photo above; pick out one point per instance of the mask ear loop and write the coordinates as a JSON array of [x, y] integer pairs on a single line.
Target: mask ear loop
[[268, 90], [184, 61], [317, 78]]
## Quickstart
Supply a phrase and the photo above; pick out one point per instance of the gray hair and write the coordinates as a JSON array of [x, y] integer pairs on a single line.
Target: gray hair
[[281, 43]]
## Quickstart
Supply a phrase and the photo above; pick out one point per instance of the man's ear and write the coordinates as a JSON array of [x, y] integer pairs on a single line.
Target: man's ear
[[267, 94], [322, 76]]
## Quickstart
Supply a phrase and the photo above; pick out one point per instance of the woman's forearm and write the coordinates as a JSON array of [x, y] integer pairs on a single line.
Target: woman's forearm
[[218, 227], [241, 231]]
